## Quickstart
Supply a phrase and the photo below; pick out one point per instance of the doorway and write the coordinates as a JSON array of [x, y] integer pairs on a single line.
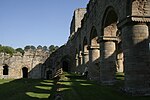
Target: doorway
[[25, 72]]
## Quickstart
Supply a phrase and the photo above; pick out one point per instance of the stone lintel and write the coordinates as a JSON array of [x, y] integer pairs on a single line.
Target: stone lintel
[[108, 38], [91, 47]]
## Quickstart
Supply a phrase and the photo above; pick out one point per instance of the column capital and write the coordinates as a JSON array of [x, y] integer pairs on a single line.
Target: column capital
[[84, 53], [108, 38], [91, 47]]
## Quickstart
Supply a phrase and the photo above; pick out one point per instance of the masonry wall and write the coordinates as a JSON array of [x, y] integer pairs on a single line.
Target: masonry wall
[[32, 60]]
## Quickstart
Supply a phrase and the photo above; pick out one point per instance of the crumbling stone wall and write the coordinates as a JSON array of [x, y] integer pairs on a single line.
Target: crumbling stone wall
[[113, 36], [32, 60]]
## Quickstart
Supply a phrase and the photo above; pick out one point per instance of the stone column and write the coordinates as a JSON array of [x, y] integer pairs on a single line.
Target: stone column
[[76, 61], [108, 59], [135, 39], [80, 63], [93, 69], [85, 60], [94, 53], [85, 57], [120, 67], [80, 59]]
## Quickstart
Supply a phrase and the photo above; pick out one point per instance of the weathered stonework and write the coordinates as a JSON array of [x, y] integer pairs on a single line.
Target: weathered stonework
[[31, 60], [115, 36]]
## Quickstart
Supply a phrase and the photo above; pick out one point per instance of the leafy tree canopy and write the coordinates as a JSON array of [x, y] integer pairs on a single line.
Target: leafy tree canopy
[[52, 48], [39, 47], [27, 47], [20, 50], [7, 49], [45, 48]]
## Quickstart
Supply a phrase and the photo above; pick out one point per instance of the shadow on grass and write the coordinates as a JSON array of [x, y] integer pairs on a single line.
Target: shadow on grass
[[78, 88], [25, 89]]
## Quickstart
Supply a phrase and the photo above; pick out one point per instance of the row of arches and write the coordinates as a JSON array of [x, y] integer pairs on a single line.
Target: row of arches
[[98, 50], [118, 43], [24, 71]]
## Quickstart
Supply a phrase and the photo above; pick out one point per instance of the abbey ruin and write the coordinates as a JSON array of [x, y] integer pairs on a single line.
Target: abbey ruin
[[106, 37], [29, 65]]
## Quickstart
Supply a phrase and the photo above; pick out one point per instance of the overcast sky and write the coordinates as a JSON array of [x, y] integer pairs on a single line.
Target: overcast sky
[[36, 22]]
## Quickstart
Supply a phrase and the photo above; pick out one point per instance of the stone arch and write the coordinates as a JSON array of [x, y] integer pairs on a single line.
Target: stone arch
[[5, 69], [109, 44], [93, 45], [80, 55], [24, 72], [48, 74], [85, 52], [93, 37], [66, 63], [85, 45], [109, 24], [94, 55]]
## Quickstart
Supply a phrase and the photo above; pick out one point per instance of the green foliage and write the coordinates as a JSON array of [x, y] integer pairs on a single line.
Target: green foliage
[[70, 86], [32, 47], [45, 48], [7, 49], [27, 47], [20, 50], [39, 47], [25, 89], [52, 48]]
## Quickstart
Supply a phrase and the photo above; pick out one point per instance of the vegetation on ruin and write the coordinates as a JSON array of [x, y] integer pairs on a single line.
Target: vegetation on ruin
[[68, 86], [11, 50], [7, 49]]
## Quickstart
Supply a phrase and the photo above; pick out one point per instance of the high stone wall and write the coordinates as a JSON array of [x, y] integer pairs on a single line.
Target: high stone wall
[[32, 60], [117, 36]]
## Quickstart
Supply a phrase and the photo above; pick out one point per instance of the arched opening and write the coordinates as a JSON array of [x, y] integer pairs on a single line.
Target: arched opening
[[80, 56], [65, 66], [94, 37], [25, 72], [85, 52], [5, 69], [94, 46], [94, 55], [109, 46], [48, 74]]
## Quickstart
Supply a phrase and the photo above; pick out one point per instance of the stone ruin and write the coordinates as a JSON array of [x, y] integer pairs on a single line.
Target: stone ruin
[[29, 65], [105, 37]]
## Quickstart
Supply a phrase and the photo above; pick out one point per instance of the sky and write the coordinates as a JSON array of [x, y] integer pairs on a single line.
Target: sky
[[36, 22]]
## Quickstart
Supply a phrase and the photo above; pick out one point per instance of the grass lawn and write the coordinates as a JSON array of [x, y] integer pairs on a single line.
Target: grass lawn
[[25, 89], [70, 86]]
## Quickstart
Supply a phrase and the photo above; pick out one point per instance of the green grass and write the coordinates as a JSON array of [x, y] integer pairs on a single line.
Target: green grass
[[70, 86], [77, 88], [25, 89]]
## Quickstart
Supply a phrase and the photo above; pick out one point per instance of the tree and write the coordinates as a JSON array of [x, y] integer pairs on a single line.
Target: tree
[[7, 49], [27, 47], [39, 47], [52, 48], [32, 47], [45, 48], [56, 47], [20, 50]]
